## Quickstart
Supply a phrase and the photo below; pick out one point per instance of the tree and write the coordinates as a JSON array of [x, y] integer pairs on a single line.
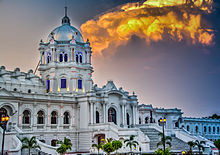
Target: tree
[[162, 152], [98, 146], [217, 143], [108, 148], [215, 116], [131, 142], [200, 144], [65, 145], [117, 144], [191, 145], [29, 144], [164, 140]]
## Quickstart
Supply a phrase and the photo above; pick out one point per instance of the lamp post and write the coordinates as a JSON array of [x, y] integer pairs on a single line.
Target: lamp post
[[163, 121], [3, 124]]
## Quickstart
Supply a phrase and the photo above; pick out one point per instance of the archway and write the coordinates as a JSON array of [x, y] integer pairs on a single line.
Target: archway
[[112, 116]]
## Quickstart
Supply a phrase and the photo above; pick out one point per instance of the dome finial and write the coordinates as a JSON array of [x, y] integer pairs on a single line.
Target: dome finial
[[65, 19], [65, 10]]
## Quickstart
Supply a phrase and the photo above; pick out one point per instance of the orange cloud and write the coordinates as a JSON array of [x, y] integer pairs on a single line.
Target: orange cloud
[[151, 20]]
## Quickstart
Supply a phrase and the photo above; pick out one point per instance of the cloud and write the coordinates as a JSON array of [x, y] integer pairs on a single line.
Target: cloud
[[152, 20]]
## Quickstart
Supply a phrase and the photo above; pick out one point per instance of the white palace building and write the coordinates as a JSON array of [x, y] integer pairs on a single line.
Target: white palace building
[[64, 102]]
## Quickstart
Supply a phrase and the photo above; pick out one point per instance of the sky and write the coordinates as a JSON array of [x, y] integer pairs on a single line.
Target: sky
[[164, 72]]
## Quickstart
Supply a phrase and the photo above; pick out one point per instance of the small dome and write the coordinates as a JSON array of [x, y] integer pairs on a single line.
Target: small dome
[[65, 33]]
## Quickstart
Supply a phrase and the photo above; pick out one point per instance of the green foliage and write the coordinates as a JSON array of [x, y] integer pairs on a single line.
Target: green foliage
[[217, 143], [164, 140], [108, 148], [98, 146], [117, 144], [65, 145], [215, 116], [29, 144], [191, 145], [200, 144], [161, 152], [131, 142]]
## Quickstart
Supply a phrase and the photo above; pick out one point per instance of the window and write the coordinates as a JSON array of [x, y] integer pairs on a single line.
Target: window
[[197, 129], [40, 117], [48, 86], [65, 57], [146, 120], [112, 115], [80, 84], [29, 91], [97, 117], [77, 58], [43, 141], [66, 118], [139, 120], [26, 117], [205, 129], [213, 129], [54, 117], [80, 58], [48, 57], [63, 83], [53, 142], [187, 128], [209, 129], [61, 57], [217, 129], [128, 119]]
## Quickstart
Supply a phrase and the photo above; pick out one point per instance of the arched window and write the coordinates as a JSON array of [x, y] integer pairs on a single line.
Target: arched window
[[209, 129], [139, 120], [80, 84], [97, 117], [63, 83], [65, 57], [61, 57], [26, 117], [40, 117], [112, 115], [85, 57], [146, 120], [77, 58], [80, 58], [128, 119], [48, 85], [54, 117], [66, 118], [187, 128], [197, 129], [217, 129], [48, 57], [54, 142], [213, 129], [205, 129]]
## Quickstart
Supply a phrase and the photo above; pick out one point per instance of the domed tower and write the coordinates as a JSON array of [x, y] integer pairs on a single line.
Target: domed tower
[[65, 65]]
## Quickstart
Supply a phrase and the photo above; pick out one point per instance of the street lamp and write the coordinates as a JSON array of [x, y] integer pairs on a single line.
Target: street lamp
[[3, 123], [163, 121]]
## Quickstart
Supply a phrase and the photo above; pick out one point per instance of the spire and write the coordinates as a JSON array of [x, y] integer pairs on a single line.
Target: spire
[[65, 19]]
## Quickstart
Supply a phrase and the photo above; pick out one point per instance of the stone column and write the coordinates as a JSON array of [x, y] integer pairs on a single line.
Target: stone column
[[123, 115], [84, 115], [60, 119], [71, 54], [94, 113], [48, 115], [104, 113], [91, 112], [133, 110]]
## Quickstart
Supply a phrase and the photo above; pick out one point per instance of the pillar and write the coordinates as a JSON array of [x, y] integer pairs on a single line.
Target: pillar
[[94, 113], [91, 112], [104, 113], [83, 123], [133, 113], [71, 54], [123, 115]]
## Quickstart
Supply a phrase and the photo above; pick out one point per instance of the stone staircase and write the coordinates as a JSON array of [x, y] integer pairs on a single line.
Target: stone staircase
[[177, 144]]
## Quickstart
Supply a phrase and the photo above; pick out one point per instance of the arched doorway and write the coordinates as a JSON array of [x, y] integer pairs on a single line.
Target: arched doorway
[[97, 117], [112, 116]]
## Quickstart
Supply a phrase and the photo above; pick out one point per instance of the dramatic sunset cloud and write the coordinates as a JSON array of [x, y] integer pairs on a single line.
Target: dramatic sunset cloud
[[152, 20]]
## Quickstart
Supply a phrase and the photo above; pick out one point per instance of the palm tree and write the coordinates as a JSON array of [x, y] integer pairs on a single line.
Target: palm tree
[[191, 145], [29, 144], [98, 146], [164, 140], [131, 142], [65, 145], [200, 144]]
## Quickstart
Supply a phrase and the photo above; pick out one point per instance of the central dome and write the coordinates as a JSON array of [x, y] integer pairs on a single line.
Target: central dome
[[65, 33]]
